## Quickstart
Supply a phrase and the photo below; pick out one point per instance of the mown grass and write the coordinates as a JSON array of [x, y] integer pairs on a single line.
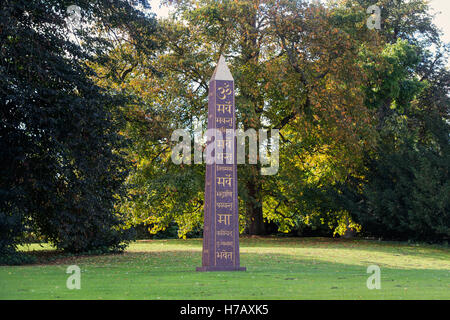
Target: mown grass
[[277, 268]]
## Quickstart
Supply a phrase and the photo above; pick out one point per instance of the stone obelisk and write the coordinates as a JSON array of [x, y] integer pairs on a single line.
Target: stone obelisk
[[221, 221]]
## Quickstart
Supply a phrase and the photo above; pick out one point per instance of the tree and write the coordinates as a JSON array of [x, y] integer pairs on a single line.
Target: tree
[[337, 91], [408, 86], [289, 76], [59, 134]]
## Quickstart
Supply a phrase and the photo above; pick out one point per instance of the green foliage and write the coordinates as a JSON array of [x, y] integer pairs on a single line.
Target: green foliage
[[276, 88], [407, 194], [11, 229], [314, 71], [60, 145], [13, 258], [402, 193], [88, 114], [390, 76], [173, 232]]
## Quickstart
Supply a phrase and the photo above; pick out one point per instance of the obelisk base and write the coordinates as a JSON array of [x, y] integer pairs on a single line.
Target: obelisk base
[[221, 268]]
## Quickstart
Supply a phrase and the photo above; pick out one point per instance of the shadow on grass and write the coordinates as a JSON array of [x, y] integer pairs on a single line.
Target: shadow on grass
[[170, 274], [269, 247]]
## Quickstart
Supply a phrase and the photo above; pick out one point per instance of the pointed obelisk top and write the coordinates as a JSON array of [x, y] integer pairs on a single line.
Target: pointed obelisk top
[[222, 72]]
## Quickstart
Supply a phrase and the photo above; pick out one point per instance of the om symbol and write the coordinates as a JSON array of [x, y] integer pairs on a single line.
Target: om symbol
[[224, 91]]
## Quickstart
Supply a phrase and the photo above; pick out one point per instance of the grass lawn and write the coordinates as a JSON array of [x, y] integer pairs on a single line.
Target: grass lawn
[[277, 268]]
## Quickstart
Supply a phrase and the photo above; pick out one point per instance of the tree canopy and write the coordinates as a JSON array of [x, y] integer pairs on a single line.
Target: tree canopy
[[88, 112], [61, 148], [336, 89]]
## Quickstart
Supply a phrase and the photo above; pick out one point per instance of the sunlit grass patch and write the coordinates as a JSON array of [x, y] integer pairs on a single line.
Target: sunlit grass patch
[[277, 268]]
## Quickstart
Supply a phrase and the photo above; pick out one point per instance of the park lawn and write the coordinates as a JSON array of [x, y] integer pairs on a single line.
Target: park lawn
[[277, 268]]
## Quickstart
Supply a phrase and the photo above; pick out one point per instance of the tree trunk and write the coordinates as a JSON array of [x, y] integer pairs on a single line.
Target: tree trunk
[[253, 105], [256, 225]]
